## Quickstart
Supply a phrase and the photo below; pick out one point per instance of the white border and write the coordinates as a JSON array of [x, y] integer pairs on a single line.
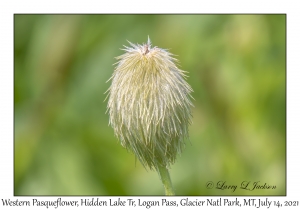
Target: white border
[[8, 8]]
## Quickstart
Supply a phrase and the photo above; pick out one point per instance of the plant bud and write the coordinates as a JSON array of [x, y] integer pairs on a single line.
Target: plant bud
[[149, 104]]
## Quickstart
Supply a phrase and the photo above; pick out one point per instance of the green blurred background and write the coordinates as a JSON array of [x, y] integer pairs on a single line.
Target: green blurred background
[[64, 146]]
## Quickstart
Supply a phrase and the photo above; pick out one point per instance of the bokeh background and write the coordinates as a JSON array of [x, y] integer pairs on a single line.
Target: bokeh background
[[64, 146]]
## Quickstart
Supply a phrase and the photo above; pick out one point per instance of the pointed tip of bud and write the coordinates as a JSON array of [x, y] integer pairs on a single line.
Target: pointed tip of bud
[[149, 41]]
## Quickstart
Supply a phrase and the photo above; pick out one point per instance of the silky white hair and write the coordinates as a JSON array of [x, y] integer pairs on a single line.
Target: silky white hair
[[149, 104]]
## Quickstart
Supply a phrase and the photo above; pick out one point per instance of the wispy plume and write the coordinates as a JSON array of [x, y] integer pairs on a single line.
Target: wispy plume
[[149, 104], [150, 107]]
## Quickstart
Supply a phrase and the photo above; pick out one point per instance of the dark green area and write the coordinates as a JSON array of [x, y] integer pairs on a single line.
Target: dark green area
[[64, 146]]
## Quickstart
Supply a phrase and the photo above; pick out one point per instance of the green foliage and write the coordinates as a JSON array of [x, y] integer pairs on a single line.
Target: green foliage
[[64, 146]]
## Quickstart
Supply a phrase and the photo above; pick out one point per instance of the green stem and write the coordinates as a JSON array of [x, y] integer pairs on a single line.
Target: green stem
[[166, 180]]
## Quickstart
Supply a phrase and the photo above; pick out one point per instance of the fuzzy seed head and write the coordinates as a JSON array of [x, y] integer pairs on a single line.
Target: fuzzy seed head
[[149, 104]]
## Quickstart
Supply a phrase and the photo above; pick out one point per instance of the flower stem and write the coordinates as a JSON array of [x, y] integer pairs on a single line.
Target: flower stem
[[166, 180]]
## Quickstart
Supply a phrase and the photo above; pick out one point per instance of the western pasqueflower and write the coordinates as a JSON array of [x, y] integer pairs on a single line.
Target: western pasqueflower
[[149, 104]]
